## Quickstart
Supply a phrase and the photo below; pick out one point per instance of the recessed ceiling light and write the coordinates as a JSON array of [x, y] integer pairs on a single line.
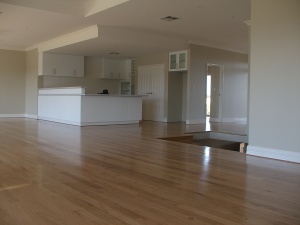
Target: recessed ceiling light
[[169, 18]]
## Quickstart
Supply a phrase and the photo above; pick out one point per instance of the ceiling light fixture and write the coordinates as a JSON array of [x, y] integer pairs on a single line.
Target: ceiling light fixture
[[169, 18]]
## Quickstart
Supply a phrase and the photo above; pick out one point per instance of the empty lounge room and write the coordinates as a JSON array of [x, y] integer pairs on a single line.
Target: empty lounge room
[[146, 112]]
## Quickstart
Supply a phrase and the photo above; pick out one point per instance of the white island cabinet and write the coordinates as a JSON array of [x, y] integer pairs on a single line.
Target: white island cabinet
[[72, 106]]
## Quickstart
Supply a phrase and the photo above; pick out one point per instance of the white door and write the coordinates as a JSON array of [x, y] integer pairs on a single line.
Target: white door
[[151, 84]]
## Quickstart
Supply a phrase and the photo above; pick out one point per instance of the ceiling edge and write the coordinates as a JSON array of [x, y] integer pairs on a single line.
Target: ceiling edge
[[195, 42], [71, 38]]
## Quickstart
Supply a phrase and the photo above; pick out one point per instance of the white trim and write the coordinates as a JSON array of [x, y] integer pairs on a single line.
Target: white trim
[[165, 120], [12, 115], [274, 153], [233, 120], [88, 123], [8, 48], [60, 121], [200, 121], [109, 123], [31, 116]]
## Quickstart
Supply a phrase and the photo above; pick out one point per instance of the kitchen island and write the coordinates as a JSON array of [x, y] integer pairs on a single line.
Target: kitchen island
[[70, 105]]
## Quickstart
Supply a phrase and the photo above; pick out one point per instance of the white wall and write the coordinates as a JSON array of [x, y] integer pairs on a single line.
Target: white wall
[[274, 113], [235, 87], [31, 84], [175, 96], [12, 82]]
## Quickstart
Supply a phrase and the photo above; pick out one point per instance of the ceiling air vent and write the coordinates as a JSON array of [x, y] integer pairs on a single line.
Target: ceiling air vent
[[169, 18], [113, 53]]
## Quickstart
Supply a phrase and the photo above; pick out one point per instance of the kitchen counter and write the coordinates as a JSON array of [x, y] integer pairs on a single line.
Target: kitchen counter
[[70, 105]]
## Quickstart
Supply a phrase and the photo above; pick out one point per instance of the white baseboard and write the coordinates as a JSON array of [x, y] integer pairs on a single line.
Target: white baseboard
[[233, 120], [81, 124], [274, 153], [215, 120], [30, 116], [109, 123], [195, 121], [12, 115], [60, 121]]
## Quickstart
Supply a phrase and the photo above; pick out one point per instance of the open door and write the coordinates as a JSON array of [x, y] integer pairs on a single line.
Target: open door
[[214, 101]]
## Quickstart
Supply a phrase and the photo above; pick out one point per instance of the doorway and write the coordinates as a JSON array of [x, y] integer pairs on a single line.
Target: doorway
[[214, 89]]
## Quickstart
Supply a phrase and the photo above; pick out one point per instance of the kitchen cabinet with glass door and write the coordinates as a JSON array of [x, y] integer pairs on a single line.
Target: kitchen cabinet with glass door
[[178, 61]]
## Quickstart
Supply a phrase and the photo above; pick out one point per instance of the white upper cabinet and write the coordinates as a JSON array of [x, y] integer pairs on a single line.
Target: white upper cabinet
[[61, 65], [178, 61], [128, 69], [115, 69]]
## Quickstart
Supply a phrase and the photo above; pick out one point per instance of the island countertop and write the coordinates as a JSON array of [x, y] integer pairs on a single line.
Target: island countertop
[[76, 91], [72, 106]]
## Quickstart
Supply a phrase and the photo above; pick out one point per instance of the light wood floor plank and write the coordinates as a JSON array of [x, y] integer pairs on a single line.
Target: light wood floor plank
[[56, 174]]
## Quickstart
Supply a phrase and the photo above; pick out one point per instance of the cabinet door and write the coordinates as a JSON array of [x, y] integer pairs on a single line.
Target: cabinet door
[[48, 64], [173, 61], [73, 66], [113, 68], [61, 65], [127, 74], [178, 61], [119, 69], [106, 69], [182, 60]]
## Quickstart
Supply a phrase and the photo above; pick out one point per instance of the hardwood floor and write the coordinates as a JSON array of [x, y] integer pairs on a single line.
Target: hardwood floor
[[55, 174]]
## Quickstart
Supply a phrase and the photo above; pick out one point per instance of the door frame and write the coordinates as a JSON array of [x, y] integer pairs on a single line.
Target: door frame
[[221, 91]]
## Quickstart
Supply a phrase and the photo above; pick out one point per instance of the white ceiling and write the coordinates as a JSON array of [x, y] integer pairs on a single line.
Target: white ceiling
[[132, 27]]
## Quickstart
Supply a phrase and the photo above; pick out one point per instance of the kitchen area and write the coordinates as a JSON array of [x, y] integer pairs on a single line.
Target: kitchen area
[[72, 90]]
